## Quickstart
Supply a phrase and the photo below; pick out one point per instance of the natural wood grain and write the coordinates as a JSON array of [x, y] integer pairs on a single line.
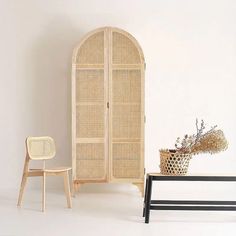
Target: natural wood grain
[[42, 148], [115, 139], [43, 191], [23, 181], [140, 187], [67, 189]]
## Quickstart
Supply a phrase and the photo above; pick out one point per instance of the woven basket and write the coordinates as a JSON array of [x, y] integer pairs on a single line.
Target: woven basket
[[174, 163]]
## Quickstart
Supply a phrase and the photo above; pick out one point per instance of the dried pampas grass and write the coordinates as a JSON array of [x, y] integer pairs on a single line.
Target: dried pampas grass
[[212, 141]]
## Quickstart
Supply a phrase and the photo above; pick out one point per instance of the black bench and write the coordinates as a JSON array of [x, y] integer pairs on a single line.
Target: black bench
[[150, 204]]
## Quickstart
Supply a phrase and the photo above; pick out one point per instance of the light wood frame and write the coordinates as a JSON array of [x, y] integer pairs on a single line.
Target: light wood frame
[[27, 172], [108, 67]]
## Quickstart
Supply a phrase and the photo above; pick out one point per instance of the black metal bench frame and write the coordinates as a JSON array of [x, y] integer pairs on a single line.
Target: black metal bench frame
[[150, 204]]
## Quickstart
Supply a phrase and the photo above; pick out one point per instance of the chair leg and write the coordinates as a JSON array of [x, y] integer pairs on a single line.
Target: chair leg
[[43, 191], [22, 187], [23, 181], [67, 189]]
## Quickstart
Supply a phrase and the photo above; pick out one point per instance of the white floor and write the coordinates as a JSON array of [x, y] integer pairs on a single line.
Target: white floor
[[103, 213]]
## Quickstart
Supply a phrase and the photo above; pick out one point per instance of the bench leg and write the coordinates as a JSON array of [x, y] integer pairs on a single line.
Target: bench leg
[[148, 200], [145, 196]]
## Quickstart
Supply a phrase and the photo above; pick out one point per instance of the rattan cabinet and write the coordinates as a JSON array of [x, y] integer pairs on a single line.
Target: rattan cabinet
[[108, 109]]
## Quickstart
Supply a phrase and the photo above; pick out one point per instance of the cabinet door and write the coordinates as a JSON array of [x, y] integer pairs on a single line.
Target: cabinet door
[[89, 109], [126, 114]]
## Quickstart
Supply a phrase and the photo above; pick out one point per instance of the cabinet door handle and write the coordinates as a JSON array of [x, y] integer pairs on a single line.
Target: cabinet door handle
[[107, 104]]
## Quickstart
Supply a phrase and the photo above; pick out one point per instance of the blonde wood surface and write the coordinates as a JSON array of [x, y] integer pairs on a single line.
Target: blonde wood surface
[[73, 123], [37, 153], [43, 192], [57, 169], [23, 181], [73, 194], [108, 84], [140, 187], [34, 173], [67, 188], [53, 169], [76, 186], [110, 107]]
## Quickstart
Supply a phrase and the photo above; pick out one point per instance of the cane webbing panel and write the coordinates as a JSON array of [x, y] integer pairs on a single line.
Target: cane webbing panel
[[90, 160], [90, 169], [126, 86], [90, 106], [126, 160], [107, 129], [90, 151], [40, 148], [126, 121], [128, 151], [90, 121], [90, 86], [90, 112], [126, 169], [124, 50], [92, 50]]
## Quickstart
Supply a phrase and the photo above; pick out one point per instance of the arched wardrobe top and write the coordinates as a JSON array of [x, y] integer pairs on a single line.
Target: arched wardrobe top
[[125, 48]]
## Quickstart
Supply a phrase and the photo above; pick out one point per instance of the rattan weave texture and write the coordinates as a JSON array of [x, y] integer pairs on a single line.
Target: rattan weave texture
[[126, 86], [124, 50], [174, 163], [108, 108], [92, 50], [126, 121], [126, 160], [90, 86], [90, 121]]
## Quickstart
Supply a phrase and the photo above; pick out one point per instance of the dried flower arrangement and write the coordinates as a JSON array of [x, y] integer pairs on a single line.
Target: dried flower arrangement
[[212, 141], [176, 161]]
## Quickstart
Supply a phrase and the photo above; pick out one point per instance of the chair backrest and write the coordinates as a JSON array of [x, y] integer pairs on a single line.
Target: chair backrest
[[40, 148]]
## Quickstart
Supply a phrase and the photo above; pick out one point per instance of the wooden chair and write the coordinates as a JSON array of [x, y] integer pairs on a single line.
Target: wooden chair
[[43, 148]]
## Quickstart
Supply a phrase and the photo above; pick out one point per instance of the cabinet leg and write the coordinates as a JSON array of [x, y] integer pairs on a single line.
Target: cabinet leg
[[75, 188], [140, 187]]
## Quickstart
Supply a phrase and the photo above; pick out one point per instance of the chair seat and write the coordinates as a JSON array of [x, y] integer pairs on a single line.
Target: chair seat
[[58, 169], [53, 169]]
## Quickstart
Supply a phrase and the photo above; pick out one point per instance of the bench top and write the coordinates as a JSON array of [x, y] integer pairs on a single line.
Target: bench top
[[194, 177], [195, 174]]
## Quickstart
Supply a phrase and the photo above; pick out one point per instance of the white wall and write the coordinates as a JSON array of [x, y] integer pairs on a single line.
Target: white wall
[[190, 51]]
